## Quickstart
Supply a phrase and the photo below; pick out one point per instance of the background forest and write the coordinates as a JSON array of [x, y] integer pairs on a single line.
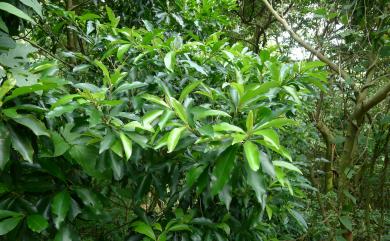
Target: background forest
[[194, 120]]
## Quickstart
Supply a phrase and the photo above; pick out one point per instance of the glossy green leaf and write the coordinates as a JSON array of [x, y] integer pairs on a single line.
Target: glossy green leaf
[[7, 225], [249, 121], [33, 124], [276, 123], [127, 145], [15, 11], [179, 110], [128, 86], [252, 155], [299, 218], [155, 99], [188, 89], [5, 146], [266, 164], [143, 228], [59, 207], [223, 167], [257, 182], [226, 127], [174, 137], [37, 223], [269, 136], [286, 165], [169, 60], [124, 48], [193, 174], [21, 144], [8, 213], [35, 5]]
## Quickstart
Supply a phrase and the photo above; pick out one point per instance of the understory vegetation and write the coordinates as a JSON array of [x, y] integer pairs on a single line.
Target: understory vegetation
[[194, 120]]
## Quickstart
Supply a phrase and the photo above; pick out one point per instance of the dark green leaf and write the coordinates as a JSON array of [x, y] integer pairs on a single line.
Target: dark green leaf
[[223, 167], [37, 223]]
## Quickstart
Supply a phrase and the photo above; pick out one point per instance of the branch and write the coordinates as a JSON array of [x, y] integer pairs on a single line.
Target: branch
[[380, 95], [47, 52], [306, 45]]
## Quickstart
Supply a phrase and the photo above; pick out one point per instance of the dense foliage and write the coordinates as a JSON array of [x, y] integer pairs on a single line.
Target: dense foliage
[[168, 120]]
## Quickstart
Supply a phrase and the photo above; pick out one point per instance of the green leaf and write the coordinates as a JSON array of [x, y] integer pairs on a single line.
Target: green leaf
[[201, 113], [33, 124], [37, 223], [7, 214], [60, 206], [107, 141], [226, 127], [35, 5], [5, 146], [276, 123], [179, 110], [127, 145], [286, 165], [149, 117], [266, 164], [66, 234], [7, 225], [6, 87], [187, 90], [167, 115], [346, 222], [122, 50], [179, 227], [169, 60], [116, 166], [143, 228], [128, 86], [256, 181], [249, 121], [223, 167], [252, 155], [292, 91], [60, 145], [111, 16], [155, 99], [86, 157], [193, 174], [269, 136], [299, 218], [253, 94], [174, 137], [21, 144], [29, 89], [15, 11]]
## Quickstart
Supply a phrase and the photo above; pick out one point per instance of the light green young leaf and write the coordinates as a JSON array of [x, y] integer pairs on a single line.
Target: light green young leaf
[[174, 137], [249, 121], [252, 155]]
